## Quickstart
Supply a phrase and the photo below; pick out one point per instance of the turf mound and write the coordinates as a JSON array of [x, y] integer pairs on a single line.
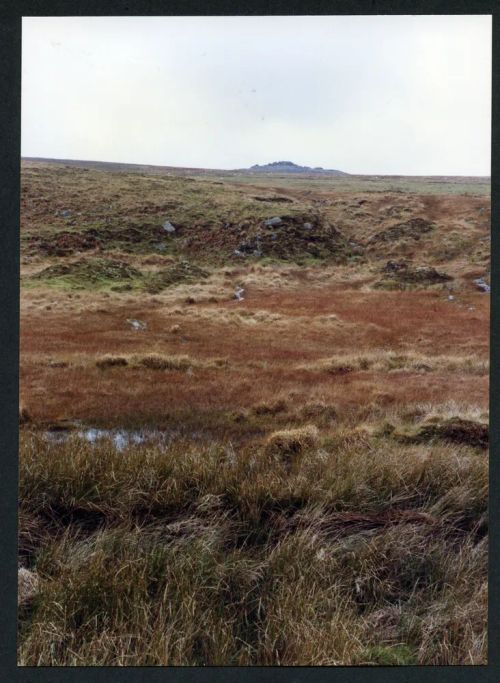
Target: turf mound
[[454, 429], [93, 271], [412, 229], [63, 243], [145, 237], [175, 274], [401, 274], [457, 430], [291, 237]]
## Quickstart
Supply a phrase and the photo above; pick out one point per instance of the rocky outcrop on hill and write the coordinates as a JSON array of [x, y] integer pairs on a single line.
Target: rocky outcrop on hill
[[290, 167]]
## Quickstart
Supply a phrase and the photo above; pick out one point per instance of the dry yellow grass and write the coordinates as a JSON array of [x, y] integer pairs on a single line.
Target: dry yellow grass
[[289, 444]]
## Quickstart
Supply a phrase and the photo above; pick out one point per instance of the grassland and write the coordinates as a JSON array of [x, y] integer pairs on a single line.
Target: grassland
[[318, 495]]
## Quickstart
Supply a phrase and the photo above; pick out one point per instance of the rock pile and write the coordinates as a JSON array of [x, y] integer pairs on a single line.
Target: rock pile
[[288, 237]]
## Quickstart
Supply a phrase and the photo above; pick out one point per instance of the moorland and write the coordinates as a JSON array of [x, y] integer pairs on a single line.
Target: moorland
[[253, 417]]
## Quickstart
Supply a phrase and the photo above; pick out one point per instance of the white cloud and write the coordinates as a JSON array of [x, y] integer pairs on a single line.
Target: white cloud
[[382, 94]]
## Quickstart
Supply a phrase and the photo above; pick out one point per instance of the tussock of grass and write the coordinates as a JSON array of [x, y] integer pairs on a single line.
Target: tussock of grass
[[111, 362], [387, 361], [319, 409], [189, 554], [154, 361], [271, 407], [288, 444], [158, 361], [454, 429]]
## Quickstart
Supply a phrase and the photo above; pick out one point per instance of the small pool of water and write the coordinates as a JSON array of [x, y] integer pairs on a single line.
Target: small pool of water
[[121, 438]]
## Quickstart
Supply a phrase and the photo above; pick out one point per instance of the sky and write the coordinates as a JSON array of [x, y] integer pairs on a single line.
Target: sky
[[406, 95]]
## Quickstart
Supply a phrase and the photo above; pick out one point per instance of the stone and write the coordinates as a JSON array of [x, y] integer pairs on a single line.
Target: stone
[[136, 324], [272, 221], [28, 585], [168, 227], [482, 285]]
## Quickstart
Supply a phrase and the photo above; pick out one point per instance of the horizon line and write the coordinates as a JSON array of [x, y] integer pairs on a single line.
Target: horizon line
[[232, 170]]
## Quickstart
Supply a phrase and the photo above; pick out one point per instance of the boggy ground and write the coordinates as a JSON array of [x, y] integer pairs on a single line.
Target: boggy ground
[[321, 493]]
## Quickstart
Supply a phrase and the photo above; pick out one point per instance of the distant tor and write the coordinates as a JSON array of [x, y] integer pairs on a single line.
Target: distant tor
[[290, 167]]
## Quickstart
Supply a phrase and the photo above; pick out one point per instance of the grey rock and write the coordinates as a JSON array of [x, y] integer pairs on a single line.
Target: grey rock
[[136, 324], [482, 285], [272, 221], [307, 226], [28, 585], [168, 227]]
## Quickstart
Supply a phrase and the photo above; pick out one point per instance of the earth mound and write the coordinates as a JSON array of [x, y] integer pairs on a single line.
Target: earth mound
[[401, 274], [129, 238], [175, 274], [413, 229], [290, 237], [90, 271]]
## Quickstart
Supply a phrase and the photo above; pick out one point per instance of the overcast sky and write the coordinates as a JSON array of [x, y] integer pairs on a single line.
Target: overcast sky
[[381, 95]]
